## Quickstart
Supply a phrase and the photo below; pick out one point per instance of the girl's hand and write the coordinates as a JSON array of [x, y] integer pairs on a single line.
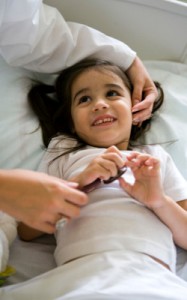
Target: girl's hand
[[147, 186], [104, 166]]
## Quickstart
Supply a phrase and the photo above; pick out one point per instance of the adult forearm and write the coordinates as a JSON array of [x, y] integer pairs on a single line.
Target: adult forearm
[[7, 191]]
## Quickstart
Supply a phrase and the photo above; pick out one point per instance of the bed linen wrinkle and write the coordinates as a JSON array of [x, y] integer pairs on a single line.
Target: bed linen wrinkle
[[113, 275]]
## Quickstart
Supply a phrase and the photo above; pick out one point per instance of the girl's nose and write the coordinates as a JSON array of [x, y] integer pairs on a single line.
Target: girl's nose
[[99, 105]]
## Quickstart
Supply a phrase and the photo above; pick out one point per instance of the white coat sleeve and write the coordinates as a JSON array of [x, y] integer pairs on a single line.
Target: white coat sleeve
[[36, 37], [8, 233]]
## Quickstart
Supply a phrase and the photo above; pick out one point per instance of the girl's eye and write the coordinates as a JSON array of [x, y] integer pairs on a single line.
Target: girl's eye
[[112, 94], [84, 99]]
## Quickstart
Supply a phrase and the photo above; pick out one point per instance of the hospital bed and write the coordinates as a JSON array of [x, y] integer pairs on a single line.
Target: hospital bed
[[157, 31]]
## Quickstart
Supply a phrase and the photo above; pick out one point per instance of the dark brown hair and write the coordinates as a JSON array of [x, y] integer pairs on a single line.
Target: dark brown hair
[[52, 104]]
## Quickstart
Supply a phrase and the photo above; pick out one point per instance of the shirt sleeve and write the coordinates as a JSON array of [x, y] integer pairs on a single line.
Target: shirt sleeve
[[53, 162], [9, 226], [174, 183], [37, 37], [50, 163]]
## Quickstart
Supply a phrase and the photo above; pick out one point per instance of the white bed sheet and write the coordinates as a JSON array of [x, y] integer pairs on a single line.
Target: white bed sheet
[[31, 259], [102, 276]]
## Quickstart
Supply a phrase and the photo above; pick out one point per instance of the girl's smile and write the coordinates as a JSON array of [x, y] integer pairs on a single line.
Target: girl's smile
[[101, 109], [104, 120]]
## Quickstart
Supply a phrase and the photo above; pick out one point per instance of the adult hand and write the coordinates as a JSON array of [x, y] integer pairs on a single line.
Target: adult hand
[[37, 199], [143, 89]]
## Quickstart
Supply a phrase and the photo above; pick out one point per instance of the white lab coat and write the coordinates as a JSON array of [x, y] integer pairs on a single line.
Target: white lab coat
[[8, 232], [36, 37]]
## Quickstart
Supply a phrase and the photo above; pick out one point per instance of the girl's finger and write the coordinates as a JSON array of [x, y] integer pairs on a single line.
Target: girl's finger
[[113, 149], [109, 167], [114, 158]]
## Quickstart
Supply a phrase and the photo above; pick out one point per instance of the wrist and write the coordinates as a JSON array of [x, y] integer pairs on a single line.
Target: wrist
[[134, 64], [162, 204]]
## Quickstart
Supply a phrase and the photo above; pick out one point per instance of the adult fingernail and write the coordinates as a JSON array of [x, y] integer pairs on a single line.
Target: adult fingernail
[[135, 120]]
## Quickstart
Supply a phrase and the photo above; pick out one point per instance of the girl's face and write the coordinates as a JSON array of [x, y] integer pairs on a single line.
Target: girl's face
[[101, 109]]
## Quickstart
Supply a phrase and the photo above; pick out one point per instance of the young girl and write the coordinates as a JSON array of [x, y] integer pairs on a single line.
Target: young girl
[[129, 228]]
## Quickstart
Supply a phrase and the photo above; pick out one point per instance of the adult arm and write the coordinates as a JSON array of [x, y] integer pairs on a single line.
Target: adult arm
[[37, 37]]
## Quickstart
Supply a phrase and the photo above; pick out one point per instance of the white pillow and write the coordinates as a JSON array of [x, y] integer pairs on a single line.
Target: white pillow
[[171, 121], [20, 147]]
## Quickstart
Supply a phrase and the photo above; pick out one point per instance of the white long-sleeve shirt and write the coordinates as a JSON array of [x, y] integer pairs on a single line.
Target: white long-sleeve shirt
[[36, 37]]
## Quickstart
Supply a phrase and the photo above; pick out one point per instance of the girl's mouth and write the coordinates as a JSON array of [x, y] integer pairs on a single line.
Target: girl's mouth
[[103, 120]]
